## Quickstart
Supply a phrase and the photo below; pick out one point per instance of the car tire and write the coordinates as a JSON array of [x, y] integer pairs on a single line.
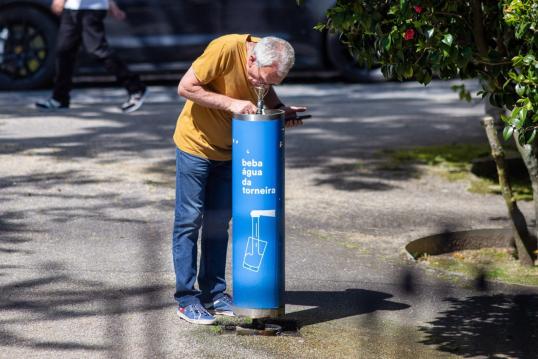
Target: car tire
[[342, 61], [27, 45]]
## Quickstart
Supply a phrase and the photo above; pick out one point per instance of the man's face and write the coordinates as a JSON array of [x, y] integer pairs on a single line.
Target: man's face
[[262, 76]]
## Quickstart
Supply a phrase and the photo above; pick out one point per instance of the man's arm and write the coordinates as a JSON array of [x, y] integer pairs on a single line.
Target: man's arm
[[190, 88]]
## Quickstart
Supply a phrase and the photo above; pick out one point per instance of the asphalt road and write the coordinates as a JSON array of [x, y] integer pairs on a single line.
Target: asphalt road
[[86, 204]]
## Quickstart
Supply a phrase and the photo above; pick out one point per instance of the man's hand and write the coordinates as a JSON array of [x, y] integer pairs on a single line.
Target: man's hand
[[241, 106], [116, 12], [57, 7], [291, 115]]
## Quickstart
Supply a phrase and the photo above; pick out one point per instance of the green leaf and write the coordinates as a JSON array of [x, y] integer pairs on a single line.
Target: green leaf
[[521, 30], [516, 60], [448, 39], [517, 123], [402, 3], [529, 59], [523, 115], [508, 132], [393, 10], [520, 90], [388, 42], [429, 33], [513, 76]]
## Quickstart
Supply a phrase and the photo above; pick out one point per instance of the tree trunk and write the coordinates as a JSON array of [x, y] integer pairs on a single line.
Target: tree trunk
[[478, 28], [529, 153], [517, 220]]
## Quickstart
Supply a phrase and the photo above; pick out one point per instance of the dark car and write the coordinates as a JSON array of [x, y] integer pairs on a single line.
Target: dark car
[[162, 36]]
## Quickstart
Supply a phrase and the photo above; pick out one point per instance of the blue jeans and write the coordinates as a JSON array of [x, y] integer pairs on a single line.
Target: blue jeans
[[203, 200]]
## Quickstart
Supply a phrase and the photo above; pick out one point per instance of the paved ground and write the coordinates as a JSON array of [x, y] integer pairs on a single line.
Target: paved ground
[[86, 201]]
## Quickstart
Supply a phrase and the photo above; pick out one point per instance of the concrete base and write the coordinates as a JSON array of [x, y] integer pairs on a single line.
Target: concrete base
[[259, 313]]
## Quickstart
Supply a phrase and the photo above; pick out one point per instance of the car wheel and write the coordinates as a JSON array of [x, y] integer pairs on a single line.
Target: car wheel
[[27, 43], [343, 62]]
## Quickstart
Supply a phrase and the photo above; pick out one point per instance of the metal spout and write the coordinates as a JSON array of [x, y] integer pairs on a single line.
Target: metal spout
[[261, 91], [261, 107]]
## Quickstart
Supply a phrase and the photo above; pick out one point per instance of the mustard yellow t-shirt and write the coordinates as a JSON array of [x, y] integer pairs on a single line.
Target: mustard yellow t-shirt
[[207, 132]]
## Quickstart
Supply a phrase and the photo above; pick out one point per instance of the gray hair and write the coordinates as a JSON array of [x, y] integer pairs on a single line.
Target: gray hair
[[273, 50]]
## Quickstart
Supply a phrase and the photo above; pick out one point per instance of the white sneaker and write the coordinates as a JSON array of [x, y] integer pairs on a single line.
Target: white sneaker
[[50, 104], [135, 100]]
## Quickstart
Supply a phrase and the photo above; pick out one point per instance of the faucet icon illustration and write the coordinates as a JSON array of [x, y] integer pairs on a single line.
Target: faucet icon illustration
[[255, 246]]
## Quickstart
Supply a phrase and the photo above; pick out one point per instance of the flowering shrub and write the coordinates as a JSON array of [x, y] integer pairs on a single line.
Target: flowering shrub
[[495, 41]]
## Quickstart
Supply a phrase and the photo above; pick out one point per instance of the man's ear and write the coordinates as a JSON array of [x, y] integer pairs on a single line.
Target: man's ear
[[251, 59]]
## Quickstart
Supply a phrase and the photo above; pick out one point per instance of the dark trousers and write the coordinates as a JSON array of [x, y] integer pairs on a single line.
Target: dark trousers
[[86, 26], [203, 200]]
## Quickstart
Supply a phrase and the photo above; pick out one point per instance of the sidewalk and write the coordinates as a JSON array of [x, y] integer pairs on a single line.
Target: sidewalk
[[86, 204]]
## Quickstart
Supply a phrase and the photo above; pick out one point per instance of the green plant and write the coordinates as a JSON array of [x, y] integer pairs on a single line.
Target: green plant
[[522, 15]]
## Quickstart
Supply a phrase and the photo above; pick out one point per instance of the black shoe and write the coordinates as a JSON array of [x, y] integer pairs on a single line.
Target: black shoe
[[136, 99], [51, 104]]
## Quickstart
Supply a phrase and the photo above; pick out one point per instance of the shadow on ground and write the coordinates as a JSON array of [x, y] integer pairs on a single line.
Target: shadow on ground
[[113, 138], [492, 326], [346, 124], [47, 299], [94, 316], [337, 305], [13, 233], [336, 131]]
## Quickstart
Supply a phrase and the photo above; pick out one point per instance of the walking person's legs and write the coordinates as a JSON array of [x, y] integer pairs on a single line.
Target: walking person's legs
[[67, 46], [95, 43], [191, 179]]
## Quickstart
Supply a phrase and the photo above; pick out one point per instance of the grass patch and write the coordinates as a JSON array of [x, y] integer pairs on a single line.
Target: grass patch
[[522, 190], [494, 263], [223, 321], [453, 162]]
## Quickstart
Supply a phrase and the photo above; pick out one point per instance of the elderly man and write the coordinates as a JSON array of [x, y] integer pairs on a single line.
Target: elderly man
[[220, 82]]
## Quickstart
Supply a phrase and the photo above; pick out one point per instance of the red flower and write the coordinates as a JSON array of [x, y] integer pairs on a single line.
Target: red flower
[[418, 9], [409, 34]]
